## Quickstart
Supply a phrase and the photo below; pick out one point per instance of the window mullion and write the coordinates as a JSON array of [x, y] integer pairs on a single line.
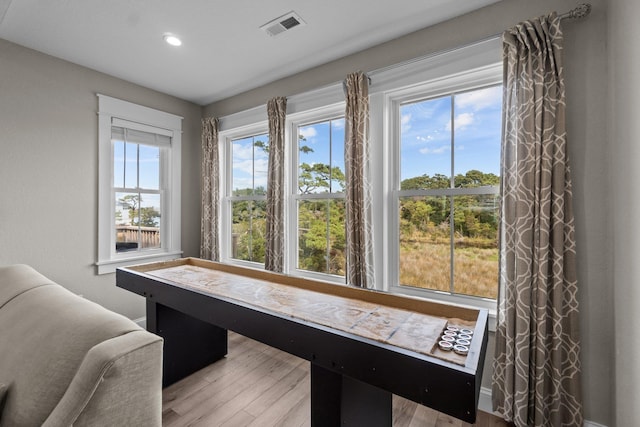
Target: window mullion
[[452, 223]]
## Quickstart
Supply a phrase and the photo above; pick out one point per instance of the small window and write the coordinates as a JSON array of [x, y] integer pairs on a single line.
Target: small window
[[137, 168], [139, 185]]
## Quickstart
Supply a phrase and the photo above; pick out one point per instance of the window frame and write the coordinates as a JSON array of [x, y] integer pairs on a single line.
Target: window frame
[[116, 112], [456, 77], [226, 139], [293, 122]]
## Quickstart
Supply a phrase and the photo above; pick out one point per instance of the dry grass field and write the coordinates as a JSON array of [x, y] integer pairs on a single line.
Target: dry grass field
[[425, 263]]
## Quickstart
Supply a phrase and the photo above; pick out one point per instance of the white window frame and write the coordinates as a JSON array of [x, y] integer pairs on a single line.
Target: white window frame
[[293, 121], [226, 138], [113, 111], [463, 69]]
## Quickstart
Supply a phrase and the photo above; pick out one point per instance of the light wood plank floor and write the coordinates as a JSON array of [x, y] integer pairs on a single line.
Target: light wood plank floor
[[257, 385]]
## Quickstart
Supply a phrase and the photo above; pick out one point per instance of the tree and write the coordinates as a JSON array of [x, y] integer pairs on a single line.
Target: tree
[[144, 217], [319, 176], [131, 203]]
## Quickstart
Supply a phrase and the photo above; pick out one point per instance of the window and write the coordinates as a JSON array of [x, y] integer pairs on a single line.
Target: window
[[319, 197], [435, 127], [136, 185], [139, 185], [448, 192]]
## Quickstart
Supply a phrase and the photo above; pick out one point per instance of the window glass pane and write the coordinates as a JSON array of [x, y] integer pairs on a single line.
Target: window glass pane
[[337, 156], [250, 163], [425, 242], [321, 157], [118, 164], [314, 161], [126, 231], [261, 163], [137, 221], [150, 216], [131, 165], [321, 236], [425, 137], [476, 245], [149, 167], [242, 154], [248, 230], [478, 127]]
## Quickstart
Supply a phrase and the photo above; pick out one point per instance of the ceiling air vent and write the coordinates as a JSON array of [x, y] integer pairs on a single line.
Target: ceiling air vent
[[282, 24]]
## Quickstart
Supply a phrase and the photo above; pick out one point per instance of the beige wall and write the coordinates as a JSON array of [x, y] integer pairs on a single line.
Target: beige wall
[[586, 78], [48, 170]]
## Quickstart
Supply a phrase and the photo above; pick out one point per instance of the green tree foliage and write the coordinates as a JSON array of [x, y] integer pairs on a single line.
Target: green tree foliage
[[249, 228], [474, 216], [318, 178], [321, 245]]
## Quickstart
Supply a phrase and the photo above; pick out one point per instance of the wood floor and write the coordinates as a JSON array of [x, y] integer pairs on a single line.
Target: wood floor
[[257, 385]]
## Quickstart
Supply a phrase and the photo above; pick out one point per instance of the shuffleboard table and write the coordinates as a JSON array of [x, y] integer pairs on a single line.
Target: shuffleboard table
[[363, 345]]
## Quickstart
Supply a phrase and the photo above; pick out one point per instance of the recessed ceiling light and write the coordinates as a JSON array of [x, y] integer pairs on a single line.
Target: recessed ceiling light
[[172, 39]]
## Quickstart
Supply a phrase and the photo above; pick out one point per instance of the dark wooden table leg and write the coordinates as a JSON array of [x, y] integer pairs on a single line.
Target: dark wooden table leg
[[337, 400], [189, 343]]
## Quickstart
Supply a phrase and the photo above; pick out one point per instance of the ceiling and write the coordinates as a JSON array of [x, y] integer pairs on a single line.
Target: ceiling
[[224, 51]]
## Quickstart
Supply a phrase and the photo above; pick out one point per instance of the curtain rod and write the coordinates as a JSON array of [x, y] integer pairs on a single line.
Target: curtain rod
[[580, 11]]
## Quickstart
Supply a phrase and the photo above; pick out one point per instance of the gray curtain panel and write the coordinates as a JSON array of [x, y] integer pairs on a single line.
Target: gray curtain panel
[[359, 242], [210, 190], [274, 250], [536, 378]]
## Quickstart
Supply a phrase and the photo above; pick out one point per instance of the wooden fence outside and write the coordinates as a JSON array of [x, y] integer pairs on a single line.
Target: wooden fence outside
[[149, 236]]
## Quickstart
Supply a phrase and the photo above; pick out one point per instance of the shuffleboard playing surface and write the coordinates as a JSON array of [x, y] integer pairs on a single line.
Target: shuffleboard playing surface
[[402, 328]]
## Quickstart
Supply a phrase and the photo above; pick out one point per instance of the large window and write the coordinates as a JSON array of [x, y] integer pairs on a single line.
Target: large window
[[447, 194], [434, 159], [319, 196], [139, 184]]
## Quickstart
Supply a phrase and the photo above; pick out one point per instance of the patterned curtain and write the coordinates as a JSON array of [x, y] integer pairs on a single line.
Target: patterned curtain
[[359, 242], [210, 190], [274, 250], [536, 378]]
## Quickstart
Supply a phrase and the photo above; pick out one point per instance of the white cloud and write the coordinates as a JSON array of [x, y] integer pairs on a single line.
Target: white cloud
[[308, 132], [405, 123], [242, 151], [461, 121], [479, 99], [438, 150], [338, 123]]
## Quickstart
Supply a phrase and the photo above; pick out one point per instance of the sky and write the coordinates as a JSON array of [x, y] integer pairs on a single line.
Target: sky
[[426, 134], [426, 140]]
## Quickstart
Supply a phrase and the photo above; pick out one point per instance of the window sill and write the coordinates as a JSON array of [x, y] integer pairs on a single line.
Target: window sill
[[110, 266], [458, 300]]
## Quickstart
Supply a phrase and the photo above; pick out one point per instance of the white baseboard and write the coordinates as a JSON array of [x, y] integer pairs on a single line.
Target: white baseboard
[[142, 322], [485, 405], [484, 402]]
